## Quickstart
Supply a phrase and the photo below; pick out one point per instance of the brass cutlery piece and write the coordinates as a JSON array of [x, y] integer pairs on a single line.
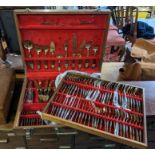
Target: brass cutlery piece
[[53, 65], [38, 85], [52, 47], [45, 64], [137, 135], [46, 49], [38, 49], [73, 64], [29, 96], [45, 92], [50, 88], [39, 65], [94, 63], [95, 49], [74, 45], [28, 45], [87, 46], [140, 136], [66, 64], [66, 48], [59, 56], [59, 66], [50, 84], [31, 65], [127, 127], [80, 64], [86, 63], [81, 48]]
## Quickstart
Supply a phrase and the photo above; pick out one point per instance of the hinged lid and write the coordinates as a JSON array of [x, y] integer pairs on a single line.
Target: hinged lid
[[52, 41]]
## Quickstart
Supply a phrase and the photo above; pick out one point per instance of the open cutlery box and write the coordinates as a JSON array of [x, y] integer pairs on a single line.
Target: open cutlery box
[[52, 42], [111, 110]]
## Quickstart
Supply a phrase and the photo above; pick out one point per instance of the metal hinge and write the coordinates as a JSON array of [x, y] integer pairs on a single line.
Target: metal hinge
[[11, 134], [58, 132], [28, 133]]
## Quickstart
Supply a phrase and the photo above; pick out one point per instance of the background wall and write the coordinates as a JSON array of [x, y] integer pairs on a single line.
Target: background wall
[[8, 24]]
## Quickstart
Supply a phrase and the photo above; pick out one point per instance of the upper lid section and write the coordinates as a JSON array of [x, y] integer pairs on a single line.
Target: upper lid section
[[50, 11], [56, 41]]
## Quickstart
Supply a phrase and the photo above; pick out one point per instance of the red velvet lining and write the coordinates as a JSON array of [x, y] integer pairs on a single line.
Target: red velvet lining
[[41, 29]]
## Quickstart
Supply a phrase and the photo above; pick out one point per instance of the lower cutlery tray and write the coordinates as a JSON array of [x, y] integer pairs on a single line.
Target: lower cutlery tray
[[111, 110]]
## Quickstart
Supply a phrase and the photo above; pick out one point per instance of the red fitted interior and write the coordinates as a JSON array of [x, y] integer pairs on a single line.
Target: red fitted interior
[[74, 101], [41, 29]]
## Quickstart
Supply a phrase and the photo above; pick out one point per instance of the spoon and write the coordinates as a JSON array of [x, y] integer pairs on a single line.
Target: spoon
[[95, 49], [28, 45], [46, 50], [38, 49], [53, 65], [52, 47], [88, 49]]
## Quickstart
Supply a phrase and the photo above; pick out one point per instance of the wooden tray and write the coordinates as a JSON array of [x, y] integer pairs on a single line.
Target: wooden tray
[[111, 110]]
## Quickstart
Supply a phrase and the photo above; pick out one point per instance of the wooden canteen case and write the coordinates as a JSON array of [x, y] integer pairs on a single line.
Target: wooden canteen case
[[52, 42]]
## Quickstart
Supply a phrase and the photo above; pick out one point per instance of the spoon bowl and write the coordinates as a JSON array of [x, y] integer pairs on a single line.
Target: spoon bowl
[[28, 45]]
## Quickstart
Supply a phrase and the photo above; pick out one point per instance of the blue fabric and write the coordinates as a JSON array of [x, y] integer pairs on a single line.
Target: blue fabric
[[143, 30], [150, 21]]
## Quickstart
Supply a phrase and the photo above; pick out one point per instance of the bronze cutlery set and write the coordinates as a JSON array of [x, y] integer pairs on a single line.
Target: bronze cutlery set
[[49, 58], [38, 92], [107, 106], [51, 45]]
